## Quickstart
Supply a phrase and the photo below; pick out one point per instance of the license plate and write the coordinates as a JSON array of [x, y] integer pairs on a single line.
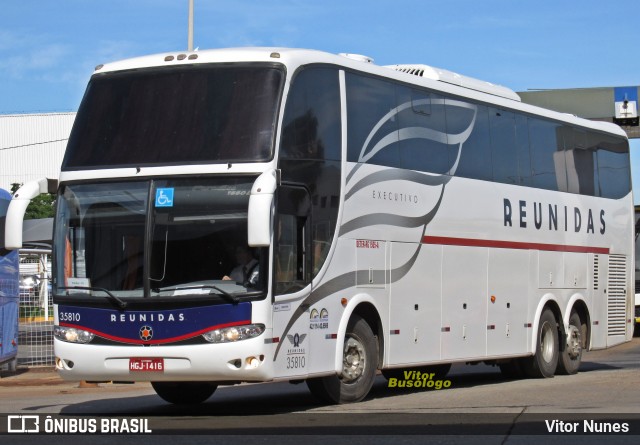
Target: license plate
[[140, 364]]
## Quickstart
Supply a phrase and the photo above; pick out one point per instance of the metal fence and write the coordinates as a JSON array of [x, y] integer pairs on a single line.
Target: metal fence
[[35, 339]]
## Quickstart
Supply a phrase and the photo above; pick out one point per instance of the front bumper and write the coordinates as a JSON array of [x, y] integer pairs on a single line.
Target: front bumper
[[243, 361]]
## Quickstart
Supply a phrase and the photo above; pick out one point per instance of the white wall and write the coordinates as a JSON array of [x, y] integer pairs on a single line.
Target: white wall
[[32, 146]]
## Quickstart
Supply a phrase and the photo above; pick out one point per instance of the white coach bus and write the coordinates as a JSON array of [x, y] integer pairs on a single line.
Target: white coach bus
[[398, 218]]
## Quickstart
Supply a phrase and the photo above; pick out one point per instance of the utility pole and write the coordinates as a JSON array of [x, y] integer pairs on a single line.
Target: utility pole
[[190, 38]]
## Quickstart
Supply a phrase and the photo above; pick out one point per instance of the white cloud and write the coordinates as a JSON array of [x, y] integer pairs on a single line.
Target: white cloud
[[32, 56], [21, 63], [255, 23]]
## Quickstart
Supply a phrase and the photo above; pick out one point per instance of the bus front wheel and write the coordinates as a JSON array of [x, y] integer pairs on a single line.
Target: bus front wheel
[[545, 361], [359, 365], [184, 393]]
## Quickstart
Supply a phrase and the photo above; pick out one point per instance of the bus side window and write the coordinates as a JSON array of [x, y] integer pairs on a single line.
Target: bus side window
[[476, 159], [503, 141], [286, 252], [293, 241], [524, 155], [613, 166], [547, 155], [420, 147], [372, 121]]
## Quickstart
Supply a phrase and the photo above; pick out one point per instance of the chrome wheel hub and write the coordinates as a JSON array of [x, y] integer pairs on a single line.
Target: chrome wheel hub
[[354, 360], [546, 342], [574, 342]]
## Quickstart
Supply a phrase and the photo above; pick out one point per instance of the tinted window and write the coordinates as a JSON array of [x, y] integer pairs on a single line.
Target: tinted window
[[189, 114], [613, 166], [475, 159], [396, 125], [292, 260], [547, 154], [372, 121], [524, 156], [311, 151], [580, 162], [503, 146], [311, 129], [423, 131], [203, 234]]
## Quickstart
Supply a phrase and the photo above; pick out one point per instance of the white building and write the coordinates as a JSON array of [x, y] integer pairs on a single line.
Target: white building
[[32, 146]]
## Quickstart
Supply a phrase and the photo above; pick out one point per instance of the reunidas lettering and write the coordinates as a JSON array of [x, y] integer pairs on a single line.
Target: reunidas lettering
[[147, 317], [553, 217]]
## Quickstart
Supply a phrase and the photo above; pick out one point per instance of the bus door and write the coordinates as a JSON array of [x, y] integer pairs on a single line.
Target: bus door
[[292, 280]]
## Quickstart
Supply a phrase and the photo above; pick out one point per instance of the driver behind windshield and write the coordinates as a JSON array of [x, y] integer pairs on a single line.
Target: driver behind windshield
[[246, 271]]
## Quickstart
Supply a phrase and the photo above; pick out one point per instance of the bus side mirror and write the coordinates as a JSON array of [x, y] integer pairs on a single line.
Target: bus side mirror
[[260, 215], [18, 206]]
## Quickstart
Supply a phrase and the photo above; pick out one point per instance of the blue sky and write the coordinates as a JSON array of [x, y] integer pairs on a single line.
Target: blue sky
[[48, 48]]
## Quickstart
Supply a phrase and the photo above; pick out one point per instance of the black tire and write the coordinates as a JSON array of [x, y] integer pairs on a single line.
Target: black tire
[[184, 393], [439, 371], [545, 361], [571, 349], [360, 362]]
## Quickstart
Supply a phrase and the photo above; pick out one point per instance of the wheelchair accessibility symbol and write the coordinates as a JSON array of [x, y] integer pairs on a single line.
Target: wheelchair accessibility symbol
[[164, 197]]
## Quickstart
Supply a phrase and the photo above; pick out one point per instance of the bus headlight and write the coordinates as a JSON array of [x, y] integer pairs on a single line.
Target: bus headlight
[[72, 335], [234, 333]]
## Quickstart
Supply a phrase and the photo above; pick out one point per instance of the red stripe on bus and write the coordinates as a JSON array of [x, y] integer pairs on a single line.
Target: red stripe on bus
[[469, 242], [152, 341]]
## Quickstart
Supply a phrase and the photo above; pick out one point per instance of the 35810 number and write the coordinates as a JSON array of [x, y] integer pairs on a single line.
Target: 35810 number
[[69, 316], [296, 362]]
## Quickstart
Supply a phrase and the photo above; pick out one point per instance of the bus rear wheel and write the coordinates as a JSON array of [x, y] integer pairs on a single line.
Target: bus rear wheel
[[545, 361], [359, 365], [571, 354], [184, 393]]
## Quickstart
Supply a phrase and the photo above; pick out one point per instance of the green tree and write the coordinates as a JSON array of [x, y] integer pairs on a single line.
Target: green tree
[[42, 206]]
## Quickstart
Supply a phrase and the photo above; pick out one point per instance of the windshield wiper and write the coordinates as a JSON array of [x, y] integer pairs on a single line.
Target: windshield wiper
[[227, 296], [121, 304]]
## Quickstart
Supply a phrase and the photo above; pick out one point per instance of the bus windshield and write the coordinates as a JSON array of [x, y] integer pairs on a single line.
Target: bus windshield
[[160, 238], [190, 114]]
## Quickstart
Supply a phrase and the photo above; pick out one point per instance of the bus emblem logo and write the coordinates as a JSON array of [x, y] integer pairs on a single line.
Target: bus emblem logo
[[146, 333], [164, 197], [296, 339]]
